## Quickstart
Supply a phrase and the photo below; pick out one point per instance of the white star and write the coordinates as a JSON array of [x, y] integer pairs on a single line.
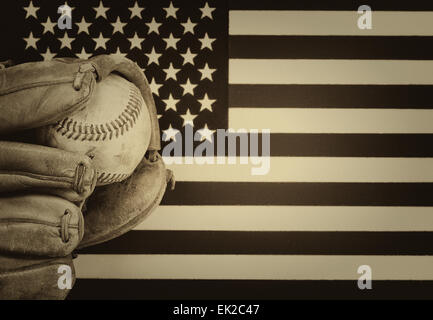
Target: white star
[[83, 26], [154, 87], [170, 103], [188, 87], [206, 42], [171, 41], [206, 103], [206, 11], [188, 118], [66, 41], [170, 133], [188, 26], [83, 54], [48, 55], [31, 41], [101, 11], [171, 11], [171, 72], [153, 57], [135, 11], [118, 25], [206, 72], [118, 53], [188, 57], [153, 26], [31, 10], [101, 42], [135, 41], [48, 26], [206, 133]]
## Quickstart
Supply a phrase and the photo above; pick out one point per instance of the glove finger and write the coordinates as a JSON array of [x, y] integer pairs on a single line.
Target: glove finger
[[39, 93], [39, 225], [26, 278], [27, 167]]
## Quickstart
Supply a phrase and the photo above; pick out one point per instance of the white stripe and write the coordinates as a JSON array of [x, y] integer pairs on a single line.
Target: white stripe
[[311, 169], [275, 267], [310, 71], [289, 218], [329, 23], [304, 120]]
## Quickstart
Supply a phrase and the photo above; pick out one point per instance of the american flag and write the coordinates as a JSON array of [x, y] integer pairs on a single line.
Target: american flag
[[351, 120]]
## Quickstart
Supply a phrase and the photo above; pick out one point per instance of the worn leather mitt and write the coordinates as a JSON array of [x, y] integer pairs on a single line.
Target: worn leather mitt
[[48, 202]]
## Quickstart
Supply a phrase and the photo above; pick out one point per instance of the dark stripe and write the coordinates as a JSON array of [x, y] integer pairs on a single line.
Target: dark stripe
[[330, 47], [351, 145], [331, 96], [333, 145], [321, 194], [247, 289], [396, 5], [268, 242]]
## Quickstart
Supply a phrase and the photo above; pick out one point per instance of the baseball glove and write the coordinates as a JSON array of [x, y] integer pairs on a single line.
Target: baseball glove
[[48, 202]]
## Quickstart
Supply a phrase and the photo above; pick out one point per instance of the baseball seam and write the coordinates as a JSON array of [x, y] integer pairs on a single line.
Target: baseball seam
[[76, 130], [104, 177]]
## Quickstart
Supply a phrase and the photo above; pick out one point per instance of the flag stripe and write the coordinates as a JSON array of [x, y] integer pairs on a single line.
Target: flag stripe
[[247, 289], [379, 5], [305, 169], [326, 120], [267, 243], [329, 23], [330, 47], [331, 96], [332, 145], [275, 267], [306, 71], [318, 194], [289, 218]]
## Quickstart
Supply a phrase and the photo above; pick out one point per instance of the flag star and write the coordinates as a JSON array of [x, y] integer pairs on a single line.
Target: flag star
[[153, 57], [118, 25], [31, 10], [206, 133], [31, 41], [188, 26], [206, 72], [170, 133], [188, 57], [153, 26], [154, 87], [66, 41], [206, 103], [83, 54], [118, 53], [83, 26], [188, 87], [170, 103], [135, 41], [206, 11], [135, 11], [48, 55], [188, 118], [101, 42], [206, 42], [171, 41], [48, 26], [171, 72], [171, 11], [101, 11]]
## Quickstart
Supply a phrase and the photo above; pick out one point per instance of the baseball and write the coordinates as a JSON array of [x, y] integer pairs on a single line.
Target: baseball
[[113, 129]]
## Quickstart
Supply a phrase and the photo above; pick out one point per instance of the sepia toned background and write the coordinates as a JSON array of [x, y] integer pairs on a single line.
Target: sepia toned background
[[351, 120]]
